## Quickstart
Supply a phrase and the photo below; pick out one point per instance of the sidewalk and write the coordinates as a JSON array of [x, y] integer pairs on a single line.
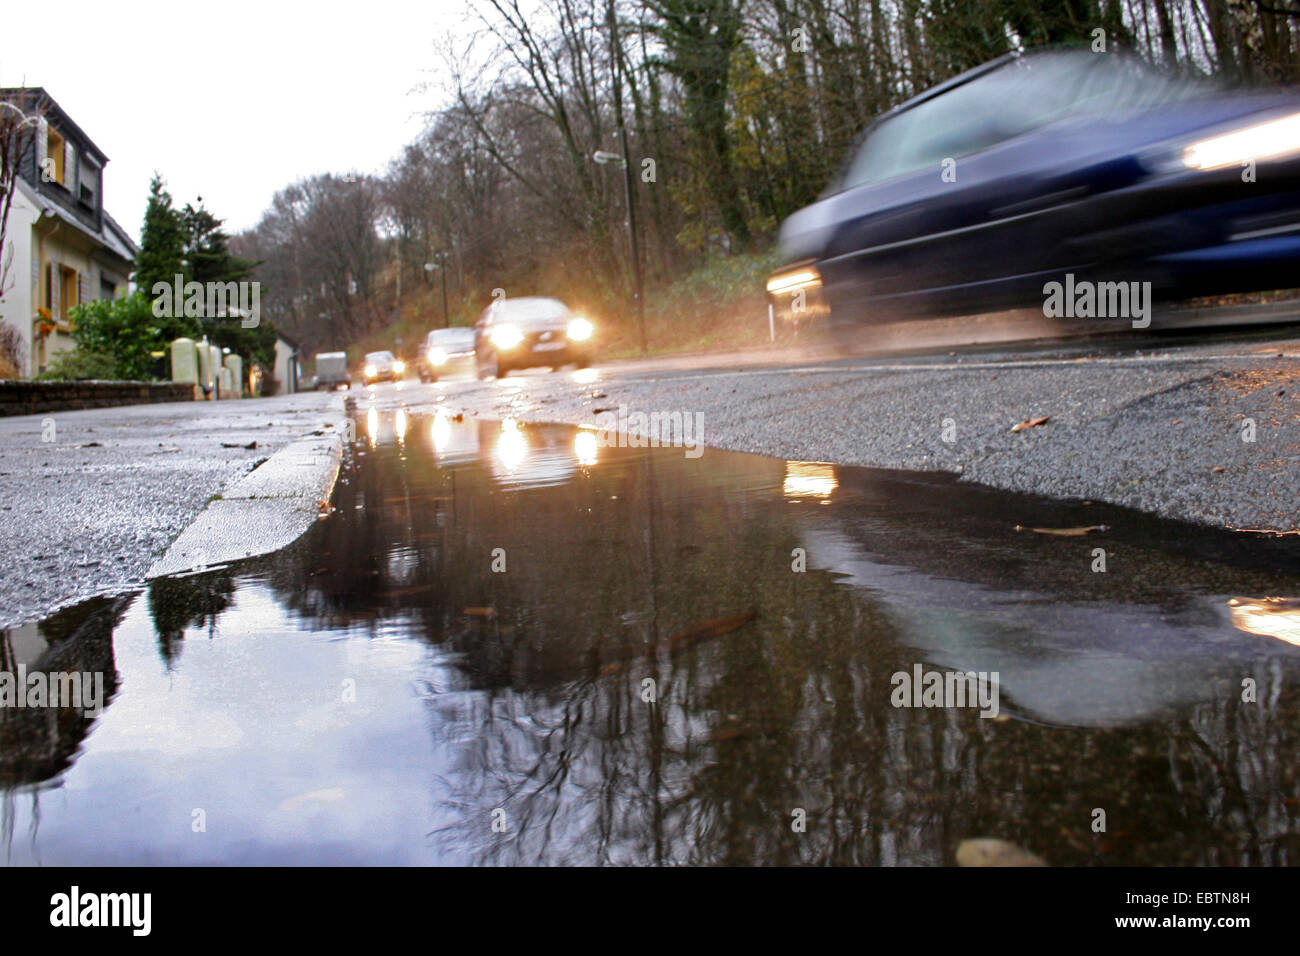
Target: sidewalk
[[90, 500]]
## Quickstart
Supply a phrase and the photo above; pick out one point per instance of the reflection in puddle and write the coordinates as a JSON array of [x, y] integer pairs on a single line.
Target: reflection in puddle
[[512, 446], [586, 447], [440, 431], [1268, 617], [809, 479], [621, 651]]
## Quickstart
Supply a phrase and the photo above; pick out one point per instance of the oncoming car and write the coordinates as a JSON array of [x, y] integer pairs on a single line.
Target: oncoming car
[[530, 332], [443, 350], [1036, 170], [382, 367]]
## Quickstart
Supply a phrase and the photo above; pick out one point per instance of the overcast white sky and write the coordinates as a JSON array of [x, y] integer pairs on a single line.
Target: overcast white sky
[[232, 100]]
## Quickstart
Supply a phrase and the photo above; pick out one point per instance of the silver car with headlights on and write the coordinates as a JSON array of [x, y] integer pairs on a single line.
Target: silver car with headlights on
[[444, 350], [530, 332]]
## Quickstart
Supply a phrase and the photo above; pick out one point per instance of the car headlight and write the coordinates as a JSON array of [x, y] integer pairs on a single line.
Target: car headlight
[[805, 277], [371, 371], [505, 336], [1270, 140], [579, 329], [399, 367], [437, 356]]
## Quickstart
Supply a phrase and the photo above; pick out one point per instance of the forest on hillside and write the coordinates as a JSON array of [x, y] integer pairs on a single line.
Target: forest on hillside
[[736, 113]]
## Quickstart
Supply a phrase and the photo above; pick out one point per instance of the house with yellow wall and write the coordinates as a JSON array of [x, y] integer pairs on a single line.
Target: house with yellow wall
[[65, 247]]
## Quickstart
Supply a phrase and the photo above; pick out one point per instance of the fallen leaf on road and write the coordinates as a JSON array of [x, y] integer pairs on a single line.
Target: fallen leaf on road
[[989, 851], [1030, 423], [731, 733], [1066, 532], [1217, 468], [481, 611], [706, 630]]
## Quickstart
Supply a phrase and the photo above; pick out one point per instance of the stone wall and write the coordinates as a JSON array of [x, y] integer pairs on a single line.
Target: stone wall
[[34, 398]]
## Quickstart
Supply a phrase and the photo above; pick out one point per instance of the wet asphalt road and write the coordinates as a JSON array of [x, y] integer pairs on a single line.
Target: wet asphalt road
[[1159, 424]]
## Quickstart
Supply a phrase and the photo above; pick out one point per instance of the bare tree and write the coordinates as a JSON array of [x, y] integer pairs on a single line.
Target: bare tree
[[18, 130]]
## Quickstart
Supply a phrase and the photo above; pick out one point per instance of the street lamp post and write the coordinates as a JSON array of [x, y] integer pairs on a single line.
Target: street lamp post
[[441, 265], [616, 59]]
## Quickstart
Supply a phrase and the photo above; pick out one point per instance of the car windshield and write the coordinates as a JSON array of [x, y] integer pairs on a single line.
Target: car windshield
[[451, 338], [1023, 95], [379, 357], [531, 310]]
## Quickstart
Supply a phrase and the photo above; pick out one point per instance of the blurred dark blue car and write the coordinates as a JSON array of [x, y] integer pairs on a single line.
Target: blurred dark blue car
[[977, 193]]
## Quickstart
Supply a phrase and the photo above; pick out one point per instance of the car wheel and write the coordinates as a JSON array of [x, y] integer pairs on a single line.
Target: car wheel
[[583, 361]]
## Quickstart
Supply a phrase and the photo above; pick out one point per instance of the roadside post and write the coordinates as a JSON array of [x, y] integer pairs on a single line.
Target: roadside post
[[185, 364], [236, 366]]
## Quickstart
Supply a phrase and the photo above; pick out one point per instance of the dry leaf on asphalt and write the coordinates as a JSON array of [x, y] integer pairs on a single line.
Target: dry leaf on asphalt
[[706, 630], [1030, 423], [1066, 532]]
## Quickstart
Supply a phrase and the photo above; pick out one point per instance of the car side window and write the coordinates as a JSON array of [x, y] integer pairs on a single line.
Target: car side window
[[948, 127], [963, 121]]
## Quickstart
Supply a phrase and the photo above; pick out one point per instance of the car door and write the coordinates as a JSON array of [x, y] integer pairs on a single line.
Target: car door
[[913, 201]]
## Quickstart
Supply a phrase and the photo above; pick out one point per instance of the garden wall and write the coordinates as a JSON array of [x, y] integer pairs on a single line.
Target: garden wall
[[34, 398]]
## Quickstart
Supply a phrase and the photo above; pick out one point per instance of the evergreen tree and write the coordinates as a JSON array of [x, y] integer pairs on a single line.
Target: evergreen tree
[[207, 248], [208, 259], [162, 241]]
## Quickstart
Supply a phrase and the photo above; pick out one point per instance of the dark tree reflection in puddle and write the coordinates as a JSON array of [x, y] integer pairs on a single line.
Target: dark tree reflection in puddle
[[185, 602]]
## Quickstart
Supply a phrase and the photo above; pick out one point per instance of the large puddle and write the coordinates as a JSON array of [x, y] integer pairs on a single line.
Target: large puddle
[[509, 644]]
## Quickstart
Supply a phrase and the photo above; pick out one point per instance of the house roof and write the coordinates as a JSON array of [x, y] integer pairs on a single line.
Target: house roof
[[54, 112], [111, 226], [112, 236]]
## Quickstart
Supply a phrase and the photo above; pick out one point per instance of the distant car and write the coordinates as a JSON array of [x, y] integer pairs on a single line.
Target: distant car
[[382, 367], [331, 370], [443, 350], [529, 332], [979, 192]]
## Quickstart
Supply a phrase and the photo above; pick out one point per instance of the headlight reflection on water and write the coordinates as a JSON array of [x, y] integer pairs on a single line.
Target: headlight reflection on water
[[585, 447], [1268, 617], [440, 431], [809, 479], [512, 446], [372, 425]]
